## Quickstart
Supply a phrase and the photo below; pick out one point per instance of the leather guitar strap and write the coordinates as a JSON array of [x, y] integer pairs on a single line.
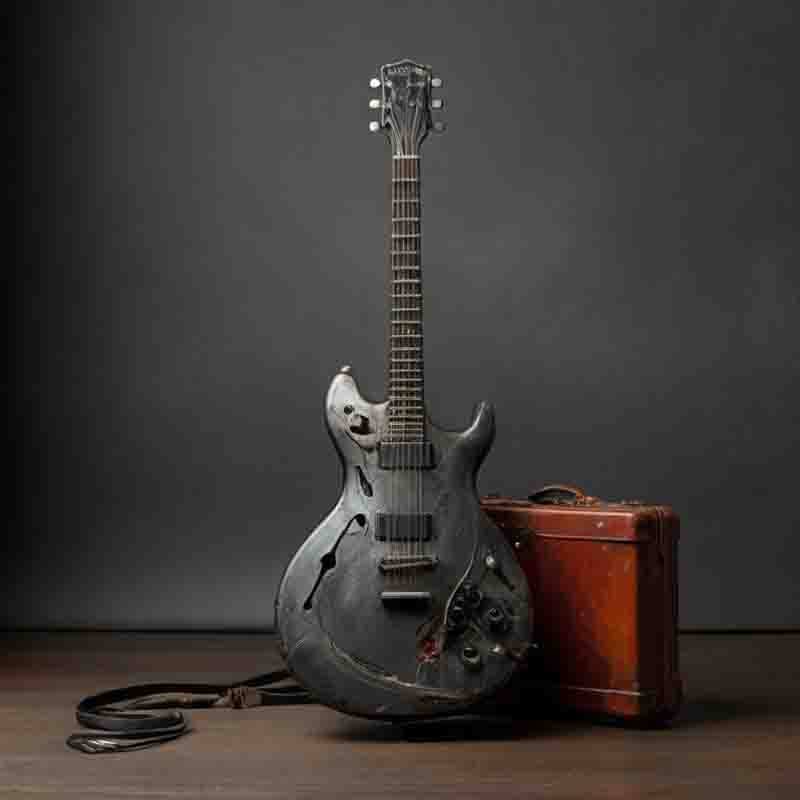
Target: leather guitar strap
[[123, 719]]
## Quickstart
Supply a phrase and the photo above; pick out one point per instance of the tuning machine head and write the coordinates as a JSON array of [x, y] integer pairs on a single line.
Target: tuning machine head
[[375, 103], [405, 104]]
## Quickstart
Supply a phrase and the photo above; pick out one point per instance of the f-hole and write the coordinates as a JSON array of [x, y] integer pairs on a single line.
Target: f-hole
[[366, 486], [328, 561]]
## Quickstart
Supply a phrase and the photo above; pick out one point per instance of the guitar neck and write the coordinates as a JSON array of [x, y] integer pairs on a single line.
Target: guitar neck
[[406, 373]]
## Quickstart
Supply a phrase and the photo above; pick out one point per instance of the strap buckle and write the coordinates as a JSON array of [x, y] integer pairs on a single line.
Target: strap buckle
[[242, 697]]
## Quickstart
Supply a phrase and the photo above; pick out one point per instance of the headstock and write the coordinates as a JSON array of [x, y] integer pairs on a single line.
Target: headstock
[[405, 105]]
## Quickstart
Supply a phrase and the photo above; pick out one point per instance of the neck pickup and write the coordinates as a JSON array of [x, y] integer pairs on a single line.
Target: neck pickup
[[404, 527], [406, 455]]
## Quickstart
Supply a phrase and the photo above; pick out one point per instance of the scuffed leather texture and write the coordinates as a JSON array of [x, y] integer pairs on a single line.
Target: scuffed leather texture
[[120, 719], [604, 582]]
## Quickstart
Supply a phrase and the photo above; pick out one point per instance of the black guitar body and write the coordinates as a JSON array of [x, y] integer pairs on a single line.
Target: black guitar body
[[406, 601]]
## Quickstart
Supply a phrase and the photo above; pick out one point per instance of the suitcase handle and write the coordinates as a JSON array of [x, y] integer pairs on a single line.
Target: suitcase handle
[[558, 494]]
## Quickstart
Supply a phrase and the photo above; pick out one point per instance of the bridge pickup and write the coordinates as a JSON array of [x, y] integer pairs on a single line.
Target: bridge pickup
[[393, 564], [404, 527], [405, 598], [405, 455]]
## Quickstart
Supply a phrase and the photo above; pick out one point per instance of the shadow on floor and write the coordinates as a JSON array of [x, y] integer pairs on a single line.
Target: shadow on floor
[[464, 728]]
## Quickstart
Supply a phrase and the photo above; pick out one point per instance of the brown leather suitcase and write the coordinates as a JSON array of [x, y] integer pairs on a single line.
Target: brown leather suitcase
[[603, 577]]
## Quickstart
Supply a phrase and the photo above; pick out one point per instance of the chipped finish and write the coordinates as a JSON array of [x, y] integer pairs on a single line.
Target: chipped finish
[[604, 582], [372, 658]]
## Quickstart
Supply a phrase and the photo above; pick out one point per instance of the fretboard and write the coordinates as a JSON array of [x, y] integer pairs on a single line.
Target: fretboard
[[405, 381]]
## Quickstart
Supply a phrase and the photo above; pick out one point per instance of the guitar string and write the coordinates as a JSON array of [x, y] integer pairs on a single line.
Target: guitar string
[[401, 545], [420, 384], [405, 401], [409, 531], [405, 188], [418, 447], [392, 527], [396, 544]]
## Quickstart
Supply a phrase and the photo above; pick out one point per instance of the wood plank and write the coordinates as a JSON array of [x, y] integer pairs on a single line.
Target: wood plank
[[738, 736]]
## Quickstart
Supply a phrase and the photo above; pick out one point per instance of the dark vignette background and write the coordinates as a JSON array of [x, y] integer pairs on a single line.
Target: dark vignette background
[[610, 252]]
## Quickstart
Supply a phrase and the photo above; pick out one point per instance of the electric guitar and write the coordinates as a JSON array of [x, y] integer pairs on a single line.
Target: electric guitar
[[406, 601]]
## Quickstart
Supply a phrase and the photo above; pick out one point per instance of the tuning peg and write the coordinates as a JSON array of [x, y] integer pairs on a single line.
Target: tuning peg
[[374, 127], [439, 126], [375, 103], [437, 103], [436, 83], [374, 83]]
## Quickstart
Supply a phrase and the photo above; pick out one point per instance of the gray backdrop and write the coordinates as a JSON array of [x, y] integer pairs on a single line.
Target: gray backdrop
[[610, 254]]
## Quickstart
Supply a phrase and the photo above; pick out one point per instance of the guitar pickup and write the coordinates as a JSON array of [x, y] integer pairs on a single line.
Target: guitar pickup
[[406, 598], [393, 564], [403, 527], [405, 455]]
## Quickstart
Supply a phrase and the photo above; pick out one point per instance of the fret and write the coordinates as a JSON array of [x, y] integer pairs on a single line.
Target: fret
[[405, 379]]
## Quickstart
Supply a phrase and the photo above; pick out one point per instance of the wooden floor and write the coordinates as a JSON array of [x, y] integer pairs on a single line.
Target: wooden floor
[[738, 736]]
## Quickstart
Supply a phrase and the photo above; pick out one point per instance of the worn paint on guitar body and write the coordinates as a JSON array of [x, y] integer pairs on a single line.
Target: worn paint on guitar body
[[396, 660], [406, 601]]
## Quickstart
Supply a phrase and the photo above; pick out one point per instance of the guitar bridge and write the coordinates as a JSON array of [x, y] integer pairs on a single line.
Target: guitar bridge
[[393, 564]]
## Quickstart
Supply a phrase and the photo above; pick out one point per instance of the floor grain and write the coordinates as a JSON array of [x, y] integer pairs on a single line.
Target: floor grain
[[737, 737]]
